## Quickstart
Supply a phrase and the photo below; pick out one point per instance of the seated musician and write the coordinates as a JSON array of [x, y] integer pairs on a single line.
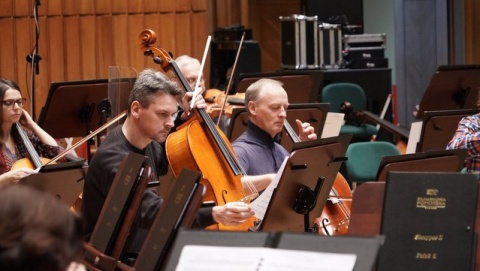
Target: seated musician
[[13, 147], [190, 68], [467, 136], [152, 113], [257, 149], [38, 231]]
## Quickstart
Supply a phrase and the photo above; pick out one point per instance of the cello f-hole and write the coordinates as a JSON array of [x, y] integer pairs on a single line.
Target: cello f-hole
[[325, 221]]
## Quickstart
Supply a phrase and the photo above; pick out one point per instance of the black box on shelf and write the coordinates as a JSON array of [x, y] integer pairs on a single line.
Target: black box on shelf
[[298, 35]]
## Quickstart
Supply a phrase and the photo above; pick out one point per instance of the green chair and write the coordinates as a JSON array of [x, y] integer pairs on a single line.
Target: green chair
[[364, 159], [338, 93]]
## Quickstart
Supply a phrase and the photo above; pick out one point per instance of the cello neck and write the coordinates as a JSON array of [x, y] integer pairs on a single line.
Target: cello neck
[[32, 153]]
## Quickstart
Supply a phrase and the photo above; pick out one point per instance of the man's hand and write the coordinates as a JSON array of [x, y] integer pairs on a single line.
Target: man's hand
[[232, 213], [306, 131]]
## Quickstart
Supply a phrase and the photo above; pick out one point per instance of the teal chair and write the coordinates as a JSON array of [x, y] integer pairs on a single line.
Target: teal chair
[[338, 93], [364, 159]]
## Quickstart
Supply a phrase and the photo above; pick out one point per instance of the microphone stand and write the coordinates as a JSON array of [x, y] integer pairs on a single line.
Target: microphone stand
[[34, 58]]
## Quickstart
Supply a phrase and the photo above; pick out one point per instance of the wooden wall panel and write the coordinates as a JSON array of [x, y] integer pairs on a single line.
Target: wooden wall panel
[[166, 6], [70, 8], [183, 34], [122, 40], [79, 40], [135, 26], [23, 45], [6, 8], [53, 7], [152, 6], [182, 6], [86, 7], [71, 50], [199, 5], [88, 47], [7, 65], [105, 57], [118, 7], [24, 8], [166, 30], [56, 49], [136, 6], [104, 6], [42, 79]]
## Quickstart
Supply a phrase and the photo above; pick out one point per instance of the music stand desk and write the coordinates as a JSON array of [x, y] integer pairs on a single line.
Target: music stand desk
[[439, 127], [64, 180], [451, 87], [311, 169]]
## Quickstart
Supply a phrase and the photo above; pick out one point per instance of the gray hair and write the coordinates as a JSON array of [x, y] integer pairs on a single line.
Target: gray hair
[[149, 83], [184, 60], [253, 92]]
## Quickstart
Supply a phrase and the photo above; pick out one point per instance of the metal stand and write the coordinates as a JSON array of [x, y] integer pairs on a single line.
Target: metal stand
[[34, 58]]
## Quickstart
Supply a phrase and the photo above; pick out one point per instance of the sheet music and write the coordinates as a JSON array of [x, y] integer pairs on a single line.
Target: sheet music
[[414, 136], [260, 204], [218, 258], [333, 124]]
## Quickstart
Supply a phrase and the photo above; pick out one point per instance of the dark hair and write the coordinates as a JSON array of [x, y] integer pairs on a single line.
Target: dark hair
[[37, 230], [5, 84], [148, 83]]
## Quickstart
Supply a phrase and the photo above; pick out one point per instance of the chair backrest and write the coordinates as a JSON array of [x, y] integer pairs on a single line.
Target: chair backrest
[[364, 159], [337, 93]]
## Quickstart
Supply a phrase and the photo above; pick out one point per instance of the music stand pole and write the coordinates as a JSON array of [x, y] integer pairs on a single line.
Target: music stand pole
[[34, 58]]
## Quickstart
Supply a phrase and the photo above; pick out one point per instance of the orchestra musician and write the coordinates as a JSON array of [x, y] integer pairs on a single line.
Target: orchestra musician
[[257, 149], [467, 136], [13, 148], [152, 113], [190, 68]]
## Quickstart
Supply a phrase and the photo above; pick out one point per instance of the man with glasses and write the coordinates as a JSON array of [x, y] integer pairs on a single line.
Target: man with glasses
[[13, 148], [152, 113]]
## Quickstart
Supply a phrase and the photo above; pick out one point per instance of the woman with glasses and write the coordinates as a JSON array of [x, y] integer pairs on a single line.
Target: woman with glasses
[[12, 147]]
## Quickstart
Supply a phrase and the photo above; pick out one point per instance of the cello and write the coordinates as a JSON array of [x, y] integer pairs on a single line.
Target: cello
[[335, 217], [198, 144], [34, 161]]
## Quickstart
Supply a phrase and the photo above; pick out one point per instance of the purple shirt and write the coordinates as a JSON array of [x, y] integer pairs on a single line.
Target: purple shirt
[[257, 152]]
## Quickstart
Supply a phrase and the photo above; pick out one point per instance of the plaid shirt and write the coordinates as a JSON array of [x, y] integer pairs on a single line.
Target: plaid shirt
[[467, 137]]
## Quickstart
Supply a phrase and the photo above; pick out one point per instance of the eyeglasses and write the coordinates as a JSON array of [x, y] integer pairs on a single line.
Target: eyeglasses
[[11, 103]]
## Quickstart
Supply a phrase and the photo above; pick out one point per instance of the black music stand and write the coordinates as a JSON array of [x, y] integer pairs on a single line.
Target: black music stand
[[70, 107], [304, 186], [117, 215], [451, 87], [439, 127], [430, 161], [64, 180], [314, 113], [178, 211]]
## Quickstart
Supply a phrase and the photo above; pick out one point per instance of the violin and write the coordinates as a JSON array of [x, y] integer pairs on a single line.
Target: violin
[[198, 144], [215, 100], [335, 217], [34, 161]]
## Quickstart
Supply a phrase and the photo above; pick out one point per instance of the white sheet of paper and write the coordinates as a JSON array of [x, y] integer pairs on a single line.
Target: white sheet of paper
[[414, 136], [333, 123], [219, 258], [260, 204]]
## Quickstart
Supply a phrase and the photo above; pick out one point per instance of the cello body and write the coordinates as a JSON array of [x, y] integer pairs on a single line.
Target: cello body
[[191, 147], [335, 217]]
